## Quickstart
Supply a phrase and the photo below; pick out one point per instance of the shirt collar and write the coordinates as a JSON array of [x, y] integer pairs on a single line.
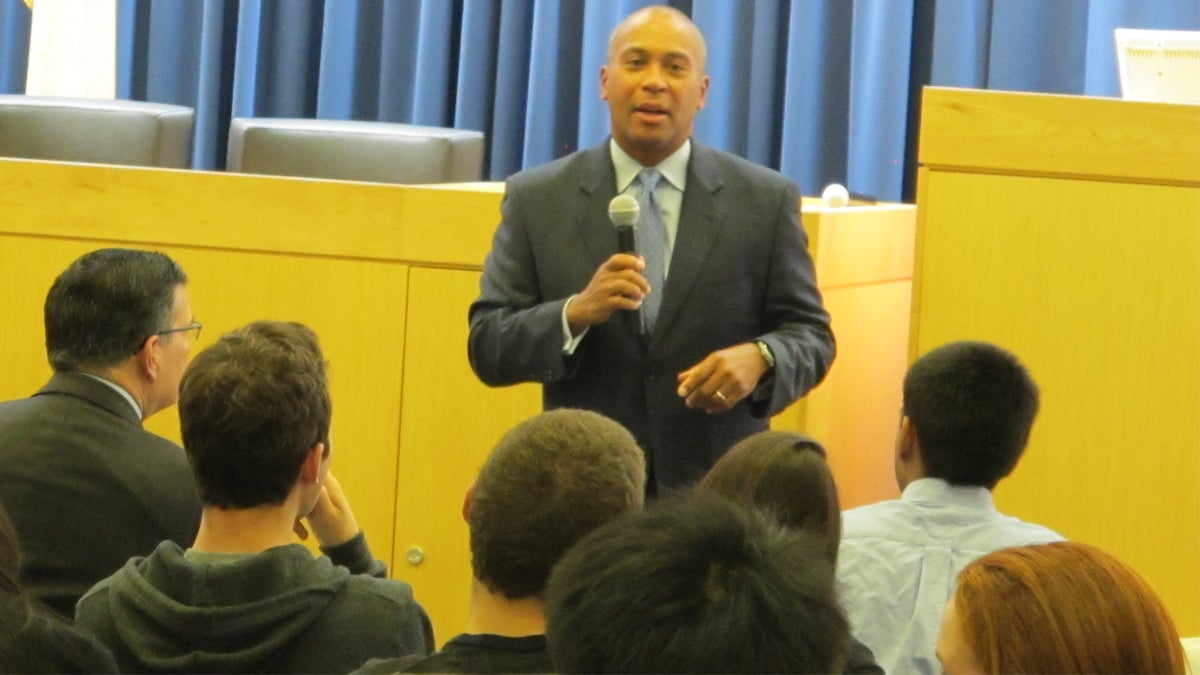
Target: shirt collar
[[119, 389], [673, 168], [939, 492]]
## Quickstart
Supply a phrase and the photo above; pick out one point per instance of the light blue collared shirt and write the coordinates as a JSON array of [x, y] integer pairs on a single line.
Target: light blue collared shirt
[[899, 562], [670, 190]]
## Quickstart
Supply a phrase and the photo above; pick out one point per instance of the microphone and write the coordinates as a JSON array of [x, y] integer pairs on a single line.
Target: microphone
[[623, 211]]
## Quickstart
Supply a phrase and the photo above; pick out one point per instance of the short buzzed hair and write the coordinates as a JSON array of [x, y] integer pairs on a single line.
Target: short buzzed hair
[[101, 309], [973, 406], [551, 480], [695, 585]]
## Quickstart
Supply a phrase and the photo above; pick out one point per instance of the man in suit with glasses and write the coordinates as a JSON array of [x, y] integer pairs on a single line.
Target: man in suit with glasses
[[86, 486]]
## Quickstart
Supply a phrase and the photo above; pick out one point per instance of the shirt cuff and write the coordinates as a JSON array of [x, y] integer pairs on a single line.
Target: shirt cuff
[[570, 342]]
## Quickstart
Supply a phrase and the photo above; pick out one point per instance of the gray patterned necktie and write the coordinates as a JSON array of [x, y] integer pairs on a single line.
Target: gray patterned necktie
[[652, 244]]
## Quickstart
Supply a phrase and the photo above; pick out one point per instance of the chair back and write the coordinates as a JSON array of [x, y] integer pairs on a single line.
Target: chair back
[[100, 131], [381, 152]]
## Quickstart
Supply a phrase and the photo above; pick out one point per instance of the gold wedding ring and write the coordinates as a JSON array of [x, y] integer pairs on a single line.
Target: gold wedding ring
[[719, 396]]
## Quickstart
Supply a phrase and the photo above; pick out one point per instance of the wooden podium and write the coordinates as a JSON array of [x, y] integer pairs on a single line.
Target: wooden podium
[[384, 274], [1067, 229]]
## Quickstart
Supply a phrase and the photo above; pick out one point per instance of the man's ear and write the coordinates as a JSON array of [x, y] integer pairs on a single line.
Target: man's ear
[[468, 501], [907, 446], [147, 357], [310, 470]]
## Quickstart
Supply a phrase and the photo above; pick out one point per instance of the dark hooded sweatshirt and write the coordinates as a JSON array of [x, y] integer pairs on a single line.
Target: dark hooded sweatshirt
[[280, 611]]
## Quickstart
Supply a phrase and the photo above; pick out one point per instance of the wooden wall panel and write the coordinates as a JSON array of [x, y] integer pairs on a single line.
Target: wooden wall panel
[[1095, 284], [449, 423]]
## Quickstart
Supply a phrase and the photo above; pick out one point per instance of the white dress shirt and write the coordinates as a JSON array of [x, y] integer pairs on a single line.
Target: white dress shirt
[[899, 562]]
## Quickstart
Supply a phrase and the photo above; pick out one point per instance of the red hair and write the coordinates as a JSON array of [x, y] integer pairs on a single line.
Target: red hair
[[1064, 607]]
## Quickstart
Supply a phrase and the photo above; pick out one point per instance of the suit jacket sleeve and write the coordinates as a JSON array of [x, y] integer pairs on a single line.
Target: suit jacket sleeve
[[798, 330], [516, 334]]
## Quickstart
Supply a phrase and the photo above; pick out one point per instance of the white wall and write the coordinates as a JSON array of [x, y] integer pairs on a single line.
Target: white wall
[[73, 49]]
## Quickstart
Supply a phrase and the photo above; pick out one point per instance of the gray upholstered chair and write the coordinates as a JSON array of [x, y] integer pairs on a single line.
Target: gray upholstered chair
[[380, 152], [96, 130]]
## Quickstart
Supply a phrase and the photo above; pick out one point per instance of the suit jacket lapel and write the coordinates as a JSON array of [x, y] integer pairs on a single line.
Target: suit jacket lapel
[[597, 186], [700, 219]]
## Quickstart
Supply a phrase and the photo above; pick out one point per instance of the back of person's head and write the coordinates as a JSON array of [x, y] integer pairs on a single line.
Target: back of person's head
[[1064, 607], [102, 308], [251, 408], [695, 585], [552, 479], [973, 405], [784, 474]]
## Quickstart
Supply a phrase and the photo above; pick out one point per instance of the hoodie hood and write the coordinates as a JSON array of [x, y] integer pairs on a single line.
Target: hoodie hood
[[177, 615]]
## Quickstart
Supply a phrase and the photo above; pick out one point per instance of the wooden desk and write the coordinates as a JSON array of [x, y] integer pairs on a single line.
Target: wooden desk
[[384, 274]]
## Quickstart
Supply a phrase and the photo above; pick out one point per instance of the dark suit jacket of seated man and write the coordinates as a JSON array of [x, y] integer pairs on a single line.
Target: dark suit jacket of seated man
[[741, 332], [86, 486]]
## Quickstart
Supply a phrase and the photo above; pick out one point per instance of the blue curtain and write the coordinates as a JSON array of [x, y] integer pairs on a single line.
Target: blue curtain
[[14, 46], [823, 90]]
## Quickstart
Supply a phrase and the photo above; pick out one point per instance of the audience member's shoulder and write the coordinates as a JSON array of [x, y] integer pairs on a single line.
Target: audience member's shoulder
[[380, 590], [21, 413], [869, 517], [95, 598], [47, 645], [1033, 533], [16, 407], [170, 451]]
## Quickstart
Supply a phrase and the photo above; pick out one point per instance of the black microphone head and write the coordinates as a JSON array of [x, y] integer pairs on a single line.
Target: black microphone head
[[623, 211]]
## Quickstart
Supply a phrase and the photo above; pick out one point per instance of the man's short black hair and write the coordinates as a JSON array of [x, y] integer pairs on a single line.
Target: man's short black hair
[[251, 407], [552, 479], [102, 308], [973, 405], [695, 585]]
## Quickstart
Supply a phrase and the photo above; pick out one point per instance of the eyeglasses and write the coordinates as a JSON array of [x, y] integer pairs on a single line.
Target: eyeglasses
[[192, 330]]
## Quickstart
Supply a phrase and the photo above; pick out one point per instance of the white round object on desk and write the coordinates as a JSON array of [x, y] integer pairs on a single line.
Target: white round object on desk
[[835, 195]]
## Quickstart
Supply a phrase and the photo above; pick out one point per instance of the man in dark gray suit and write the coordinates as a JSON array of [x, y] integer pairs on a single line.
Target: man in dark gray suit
[[86, 486], [691, 345]]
